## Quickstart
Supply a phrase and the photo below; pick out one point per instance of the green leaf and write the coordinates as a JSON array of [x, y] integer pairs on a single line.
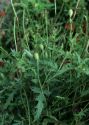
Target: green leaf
[[85, 93], [9, 99], [60, 72], [37, 90], [39, 106]]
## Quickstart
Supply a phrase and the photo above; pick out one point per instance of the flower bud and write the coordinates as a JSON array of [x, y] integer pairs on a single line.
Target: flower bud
[[46, 54], [36, 56], [70, 12], [41, 46], [36, 5]]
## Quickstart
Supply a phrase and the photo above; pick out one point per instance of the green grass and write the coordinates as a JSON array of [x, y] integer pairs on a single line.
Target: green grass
[[45, 77]]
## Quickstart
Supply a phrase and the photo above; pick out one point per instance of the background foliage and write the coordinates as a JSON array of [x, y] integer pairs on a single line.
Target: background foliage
[[44, 63]]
